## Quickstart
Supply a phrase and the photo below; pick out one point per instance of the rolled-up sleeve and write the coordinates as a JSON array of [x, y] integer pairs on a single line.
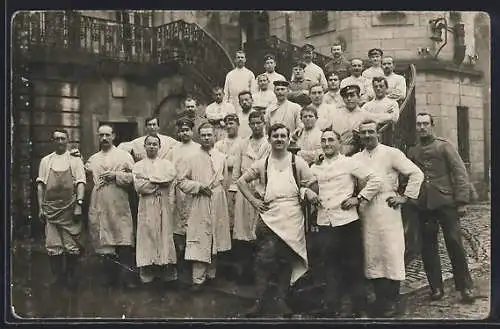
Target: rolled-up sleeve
[[43, 171], [78, 171]]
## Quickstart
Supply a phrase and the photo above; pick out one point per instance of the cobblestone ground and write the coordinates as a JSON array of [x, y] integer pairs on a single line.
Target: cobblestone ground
[[476, 239]]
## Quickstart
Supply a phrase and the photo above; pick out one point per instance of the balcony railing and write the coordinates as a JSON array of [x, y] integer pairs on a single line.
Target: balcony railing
[[178, 41]]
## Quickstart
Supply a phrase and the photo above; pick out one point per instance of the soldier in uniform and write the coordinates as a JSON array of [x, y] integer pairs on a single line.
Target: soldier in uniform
[[442, 201], [270, 66], [338, 64], [299, 85]]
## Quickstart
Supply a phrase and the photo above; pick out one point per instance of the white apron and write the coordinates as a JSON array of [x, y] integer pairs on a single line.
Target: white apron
[[285, 216]]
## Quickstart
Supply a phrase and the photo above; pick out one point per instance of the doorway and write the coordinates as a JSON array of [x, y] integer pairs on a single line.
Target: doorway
[[124, 131]]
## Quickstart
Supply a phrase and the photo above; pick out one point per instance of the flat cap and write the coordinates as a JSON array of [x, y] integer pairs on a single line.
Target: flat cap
[[269, 56], [375, 51], [282, 83], [308, 47], [184, 121], [232, 117], [348, 89]]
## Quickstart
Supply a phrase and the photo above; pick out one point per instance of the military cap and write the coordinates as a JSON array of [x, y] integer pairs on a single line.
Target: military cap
[[259, 108], [349, 88], [269, 56], [282, 83], [299, 63], [308, 47], [184, 121], [374, 51], [231, 117]]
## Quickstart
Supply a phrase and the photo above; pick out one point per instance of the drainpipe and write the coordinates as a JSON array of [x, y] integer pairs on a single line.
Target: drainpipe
[[288, 28]]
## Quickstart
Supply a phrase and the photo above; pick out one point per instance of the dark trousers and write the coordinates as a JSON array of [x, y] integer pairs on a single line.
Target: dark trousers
[[244, 256], [430, 221], [273, 267], [386, 292], [341, 250]]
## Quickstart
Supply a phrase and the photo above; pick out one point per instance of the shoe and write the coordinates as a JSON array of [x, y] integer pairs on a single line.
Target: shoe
[[196, 287], [71, 263], [467, 296], [437, 294]]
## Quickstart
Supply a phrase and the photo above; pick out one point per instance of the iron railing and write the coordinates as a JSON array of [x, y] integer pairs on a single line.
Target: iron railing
[[178, 41]]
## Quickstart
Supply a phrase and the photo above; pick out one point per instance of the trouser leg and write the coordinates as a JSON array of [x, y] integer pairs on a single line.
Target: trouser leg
[[127, 265], [352, 264], [57, 268], [247, 255], [212, 268], [147, 274], [429, 228], [200, 270], [450, 225], [329, 266]]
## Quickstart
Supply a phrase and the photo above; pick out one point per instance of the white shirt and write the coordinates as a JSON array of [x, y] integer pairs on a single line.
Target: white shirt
[[244, 130], [372, 72], [333, 98], [365, 85], [344, 120], [217, 111], [264, 98], [397, 86], [314, 73], [325, 113], [237, 80], [275, 76], [336, 179], [384, 109]]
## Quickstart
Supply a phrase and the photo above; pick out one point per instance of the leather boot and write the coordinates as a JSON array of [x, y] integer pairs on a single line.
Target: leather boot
[[127, 267], [57, 269], [71, 263]]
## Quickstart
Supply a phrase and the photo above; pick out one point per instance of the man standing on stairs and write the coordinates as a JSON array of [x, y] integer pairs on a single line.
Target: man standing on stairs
[[338, 64], [217, 111], [299, 85], [270, 66], [375, 69], [442, 202], [60, 189], [332, 96], [176, 155], [312, 71], [281, 256], [324, 111], [383, 107], [396, 83], [364, 84], [136, 147], [238, 79], [283, 111], [248, 151], [110, 219]]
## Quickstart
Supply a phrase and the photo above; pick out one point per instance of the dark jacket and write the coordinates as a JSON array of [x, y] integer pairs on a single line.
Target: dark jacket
[[446, 180], [342, 68]]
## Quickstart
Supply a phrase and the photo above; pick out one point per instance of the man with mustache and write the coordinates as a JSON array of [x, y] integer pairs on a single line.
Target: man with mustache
[[110, 218], [238, 79], [281, 255], [383, 233], [366, 90], [203, 175], [153, 177], [442, 202], [283, 111], [383, 107], [396, 83], [338, 64], [60, 189], [217, 111]]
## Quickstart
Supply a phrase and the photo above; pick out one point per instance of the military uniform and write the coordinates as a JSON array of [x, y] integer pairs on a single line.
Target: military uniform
[[446, 186], [341, 67], [298, 88]]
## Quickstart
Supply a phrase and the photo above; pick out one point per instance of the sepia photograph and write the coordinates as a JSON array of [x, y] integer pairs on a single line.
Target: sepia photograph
[[247, 165]]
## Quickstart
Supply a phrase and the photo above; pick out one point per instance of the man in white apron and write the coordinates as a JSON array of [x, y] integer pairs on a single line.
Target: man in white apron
[[281, 255], [110, 218], [60, 189], [383, 232]]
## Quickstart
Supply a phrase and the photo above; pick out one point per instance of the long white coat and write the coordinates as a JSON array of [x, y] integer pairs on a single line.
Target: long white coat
[[208, 222], [383, 233]]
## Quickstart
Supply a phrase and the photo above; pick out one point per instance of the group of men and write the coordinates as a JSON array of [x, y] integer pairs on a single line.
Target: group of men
[[239, 188]]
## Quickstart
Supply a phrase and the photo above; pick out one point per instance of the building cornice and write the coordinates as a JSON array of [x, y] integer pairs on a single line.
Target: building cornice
[[432, 65]]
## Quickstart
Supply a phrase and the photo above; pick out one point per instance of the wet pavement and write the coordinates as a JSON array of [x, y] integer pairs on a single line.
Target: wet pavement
[[33, 297]]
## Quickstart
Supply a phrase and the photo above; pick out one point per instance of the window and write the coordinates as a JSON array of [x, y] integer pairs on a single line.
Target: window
[[318, 21], [463, 134]]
